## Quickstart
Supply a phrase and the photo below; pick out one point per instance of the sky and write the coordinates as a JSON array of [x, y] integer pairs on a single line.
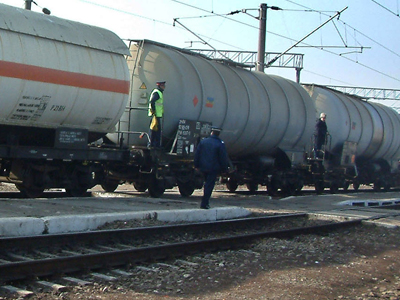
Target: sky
[[361, 48]]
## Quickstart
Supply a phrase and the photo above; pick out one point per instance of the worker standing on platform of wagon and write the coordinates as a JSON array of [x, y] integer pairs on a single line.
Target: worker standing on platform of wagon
[[321, 131], [211, 159], [156, 112]]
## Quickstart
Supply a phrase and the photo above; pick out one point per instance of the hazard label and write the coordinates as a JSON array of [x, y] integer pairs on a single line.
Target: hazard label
[[143, 86]]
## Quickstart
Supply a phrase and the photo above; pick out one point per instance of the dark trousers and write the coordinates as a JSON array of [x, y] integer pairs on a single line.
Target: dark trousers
[[319, 142], [209, 184], [155, 136]]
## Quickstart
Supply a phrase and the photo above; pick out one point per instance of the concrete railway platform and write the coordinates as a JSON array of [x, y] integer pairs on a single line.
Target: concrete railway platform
[[56, 213]]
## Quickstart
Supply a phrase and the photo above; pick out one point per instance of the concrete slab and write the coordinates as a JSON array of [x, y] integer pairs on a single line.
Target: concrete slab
[[213, 214], [76, 223], [85, 222], [20, 226]]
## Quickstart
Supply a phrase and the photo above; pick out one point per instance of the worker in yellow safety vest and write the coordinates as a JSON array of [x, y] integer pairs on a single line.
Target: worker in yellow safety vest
[[156, 111]]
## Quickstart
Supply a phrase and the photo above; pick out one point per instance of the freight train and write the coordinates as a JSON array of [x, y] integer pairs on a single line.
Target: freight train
[[74, 115]]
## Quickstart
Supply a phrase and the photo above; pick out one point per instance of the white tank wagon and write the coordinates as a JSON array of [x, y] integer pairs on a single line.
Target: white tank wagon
[[58, 73], [63, 85], [258, 113], [371, 127]]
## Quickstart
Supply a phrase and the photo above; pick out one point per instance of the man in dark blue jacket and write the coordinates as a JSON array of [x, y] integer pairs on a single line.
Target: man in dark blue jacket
[[211, 159], [321, 130]]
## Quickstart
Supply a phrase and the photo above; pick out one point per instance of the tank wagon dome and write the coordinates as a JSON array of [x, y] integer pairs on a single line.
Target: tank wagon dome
[[258, 112], [59, 73]]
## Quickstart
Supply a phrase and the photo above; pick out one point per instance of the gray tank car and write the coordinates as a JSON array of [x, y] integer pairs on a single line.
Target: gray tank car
[[257, 112], [267, 121], [363, 139]]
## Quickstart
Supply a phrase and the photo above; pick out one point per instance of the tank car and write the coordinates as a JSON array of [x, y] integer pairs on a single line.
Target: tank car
[[64, 84], [268, 126], [257, 112], [363, 147], [267, 120]]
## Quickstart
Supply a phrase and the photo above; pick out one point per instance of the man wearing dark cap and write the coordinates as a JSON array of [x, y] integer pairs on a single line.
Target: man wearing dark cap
[[321, 131], [156, 108], [211, 159]]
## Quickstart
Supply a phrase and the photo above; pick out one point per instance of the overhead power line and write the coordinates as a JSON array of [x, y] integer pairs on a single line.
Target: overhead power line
[[251, 26], [384, 7], [144, 17], [364, 35], [124, 12], [293, 40]]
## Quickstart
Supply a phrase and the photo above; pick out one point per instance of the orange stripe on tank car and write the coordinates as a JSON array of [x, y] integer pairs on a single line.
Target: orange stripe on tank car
[[47, 75]]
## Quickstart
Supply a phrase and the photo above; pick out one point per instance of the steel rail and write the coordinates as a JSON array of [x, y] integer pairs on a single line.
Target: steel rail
[[98, 236], [67, 264]]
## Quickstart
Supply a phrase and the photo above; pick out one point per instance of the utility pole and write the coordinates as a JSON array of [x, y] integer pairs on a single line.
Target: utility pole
[[28, 4], [298, 70], [262, 34], [261, 37]]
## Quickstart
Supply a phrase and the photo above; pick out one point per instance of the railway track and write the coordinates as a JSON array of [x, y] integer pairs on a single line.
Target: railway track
[[39, 256]]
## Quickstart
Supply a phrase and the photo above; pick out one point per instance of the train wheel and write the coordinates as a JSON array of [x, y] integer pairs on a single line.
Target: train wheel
[[319, 186], [30, 192], [346, 186], [186, 189], [156, 188], [356, 186], [252, 186], [334, 188], [289, 189], [232, 185], [377, 186], [299, 185], [110, 186], [140, 186], [272, 188], [386, 186], [81, 178], [76, 192], [33, 182]]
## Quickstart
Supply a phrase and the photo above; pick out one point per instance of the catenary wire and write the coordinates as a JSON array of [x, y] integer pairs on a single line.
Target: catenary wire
[[384, 7], [364, 35], [330, 52], [243, 23]]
